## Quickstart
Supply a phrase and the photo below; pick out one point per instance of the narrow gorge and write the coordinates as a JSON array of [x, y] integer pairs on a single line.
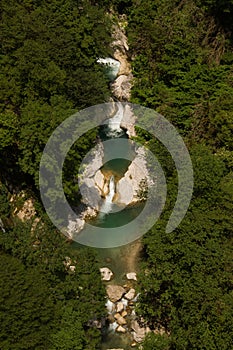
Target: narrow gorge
[[111, 186]]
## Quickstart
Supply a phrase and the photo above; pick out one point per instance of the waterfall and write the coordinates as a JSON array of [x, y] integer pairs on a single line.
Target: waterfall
[[107, 205]]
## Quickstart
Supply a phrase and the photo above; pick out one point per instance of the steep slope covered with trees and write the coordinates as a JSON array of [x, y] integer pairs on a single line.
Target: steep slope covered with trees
[[182, 56], [182, 63], [49, 71]]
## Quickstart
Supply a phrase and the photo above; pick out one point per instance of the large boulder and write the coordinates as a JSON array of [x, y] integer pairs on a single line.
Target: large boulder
[[131, 294], [106, 273], [120, 320], [124, 313], [131, 276], [115, 292]]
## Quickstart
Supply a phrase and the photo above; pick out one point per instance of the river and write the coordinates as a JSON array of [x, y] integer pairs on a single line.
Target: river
[[124, 259]]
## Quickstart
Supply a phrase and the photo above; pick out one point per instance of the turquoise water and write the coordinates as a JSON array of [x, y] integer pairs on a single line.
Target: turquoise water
[[117, 217]]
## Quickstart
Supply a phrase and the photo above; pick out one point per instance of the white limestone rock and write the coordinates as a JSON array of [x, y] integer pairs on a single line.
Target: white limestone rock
[[131, 276], [128, 186], [89, 174], [106, 274], [121, 87]]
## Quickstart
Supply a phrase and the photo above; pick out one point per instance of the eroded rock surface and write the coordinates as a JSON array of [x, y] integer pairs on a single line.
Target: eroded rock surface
[[90, 190], [121, 87], [139, 332], [128, 187], [115, 292]]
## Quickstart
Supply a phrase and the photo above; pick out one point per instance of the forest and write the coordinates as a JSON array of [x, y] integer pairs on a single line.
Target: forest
[[181, 53]]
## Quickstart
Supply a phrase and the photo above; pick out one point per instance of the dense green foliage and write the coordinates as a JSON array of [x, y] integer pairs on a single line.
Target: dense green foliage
[[182, 63], [49, 70], [44, 305]]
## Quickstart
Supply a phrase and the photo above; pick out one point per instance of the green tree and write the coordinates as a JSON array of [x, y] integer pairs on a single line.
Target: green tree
[[26, 312]]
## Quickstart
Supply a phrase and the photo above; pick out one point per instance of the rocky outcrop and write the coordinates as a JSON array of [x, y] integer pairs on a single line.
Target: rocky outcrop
[[75, 226], [125, 67], [91, 181], [115, 292], [129, 186], [106, 274], [90, 190], [99, 180], [121, 87], [27, 210], [139, 332], [120, 39]]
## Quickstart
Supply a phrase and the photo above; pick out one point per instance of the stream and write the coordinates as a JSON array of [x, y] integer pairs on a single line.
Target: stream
[[124, 259]]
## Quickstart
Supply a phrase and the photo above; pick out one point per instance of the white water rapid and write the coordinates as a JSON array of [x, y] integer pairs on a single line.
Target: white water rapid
[[112, 65], [109, 306]]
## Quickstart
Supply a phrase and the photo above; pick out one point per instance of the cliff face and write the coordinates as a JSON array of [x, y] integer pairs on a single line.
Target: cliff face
[[128, 187]]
